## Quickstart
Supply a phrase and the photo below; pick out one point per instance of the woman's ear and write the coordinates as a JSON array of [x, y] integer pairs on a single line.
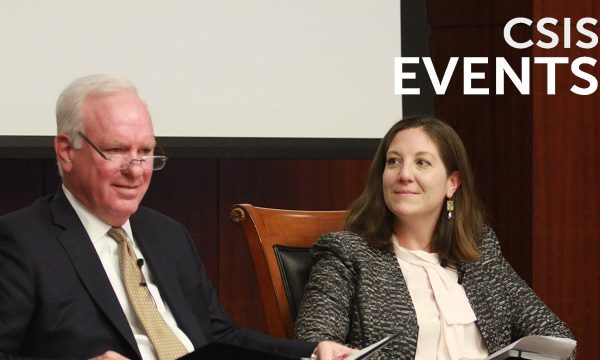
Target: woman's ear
[[63, 149], [453, 184]]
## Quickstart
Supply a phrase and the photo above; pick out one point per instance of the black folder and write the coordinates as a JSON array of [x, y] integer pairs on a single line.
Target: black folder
[[221, 351]]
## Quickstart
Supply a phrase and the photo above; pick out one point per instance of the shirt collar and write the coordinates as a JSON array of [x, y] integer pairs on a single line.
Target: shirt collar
[[94, 227], [417, 257]]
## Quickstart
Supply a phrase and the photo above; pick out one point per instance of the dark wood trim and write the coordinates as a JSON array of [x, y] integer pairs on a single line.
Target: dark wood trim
[[414, 35], [27, 147]]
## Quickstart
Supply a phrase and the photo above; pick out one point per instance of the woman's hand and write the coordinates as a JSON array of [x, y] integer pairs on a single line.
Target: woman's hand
[[330, 350]]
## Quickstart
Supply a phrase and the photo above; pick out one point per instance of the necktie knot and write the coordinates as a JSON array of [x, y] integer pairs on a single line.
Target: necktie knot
[[118, 234]]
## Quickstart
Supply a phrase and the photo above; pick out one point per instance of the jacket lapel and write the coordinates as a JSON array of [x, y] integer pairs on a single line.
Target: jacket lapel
[[86, 263], [151, 242], [480, 300], [400, 302]]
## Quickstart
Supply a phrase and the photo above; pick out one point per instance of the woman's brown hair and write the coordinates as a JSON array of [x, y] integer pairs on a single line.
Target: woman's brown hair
[[456, 240]]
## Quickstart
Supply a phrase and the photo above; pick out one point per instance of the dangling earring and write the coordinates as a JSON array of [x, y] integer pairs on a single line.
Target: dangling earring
[[449, 207]]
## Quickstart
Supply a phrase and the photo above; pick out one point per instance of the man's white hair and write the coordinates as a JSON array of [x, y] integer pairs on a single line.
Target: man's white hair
[[70, 102]]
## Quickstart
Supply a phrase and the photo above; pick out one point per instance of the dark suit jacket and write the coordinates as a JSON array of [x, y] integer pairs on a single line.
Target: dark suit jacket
[[56, 300]]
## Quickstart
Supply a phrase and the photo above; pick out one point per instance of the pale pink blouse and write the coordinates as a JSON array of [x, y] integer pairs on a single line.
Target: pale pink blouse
[[447, 329]]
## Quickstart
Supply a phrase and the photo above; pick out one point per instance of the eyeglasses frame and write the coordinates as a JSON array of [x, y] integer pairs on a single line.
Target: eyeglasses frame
[[132, 161]]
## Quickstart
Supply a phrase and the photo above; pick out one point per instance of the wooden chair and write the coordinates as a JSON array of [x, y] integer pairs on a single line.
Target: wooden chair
[[279, 243]]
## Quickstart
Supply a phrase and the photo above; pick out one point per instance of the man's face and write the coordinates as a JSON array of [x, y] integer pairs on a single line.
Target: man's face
[[118, 124]]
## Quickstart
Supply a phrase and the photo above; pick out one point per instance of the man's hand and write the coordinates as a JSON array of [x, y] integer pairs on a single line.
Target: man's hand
[[110, 355], [329, 350]]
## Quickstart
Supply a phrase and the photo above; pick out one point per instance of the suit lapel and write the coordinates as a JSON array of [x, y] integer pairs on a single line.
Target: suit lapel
[[86, 263], [151, 242], [400, 302], [480, 300]]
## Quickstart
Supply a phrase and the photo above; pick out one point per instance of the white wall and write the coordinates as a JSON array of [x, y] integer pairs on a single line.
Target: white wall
[[233, 68]]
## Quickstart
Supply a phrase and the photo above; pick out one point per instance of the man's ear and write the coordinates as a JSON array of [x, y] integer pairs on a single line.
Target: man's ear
[[63, 149], [453, 184]]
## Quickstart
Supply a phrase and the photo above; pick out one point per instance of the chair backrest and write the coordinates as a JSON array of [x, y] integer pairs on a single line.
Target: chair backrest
[[279, 243]]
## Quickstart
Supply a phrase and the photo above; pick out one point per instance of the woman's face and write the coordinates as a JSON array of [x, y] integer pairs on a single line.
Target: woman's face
[[415, 182]]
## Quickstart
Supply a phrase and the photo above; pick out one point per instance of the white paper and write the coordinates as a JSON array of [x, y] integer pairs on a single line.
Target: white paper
[[551, 346]]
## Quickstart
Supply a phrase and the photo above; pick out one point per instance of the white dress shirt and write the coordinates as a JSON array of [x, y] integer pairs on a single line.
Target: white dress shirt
[[447, 329], [108, 251]]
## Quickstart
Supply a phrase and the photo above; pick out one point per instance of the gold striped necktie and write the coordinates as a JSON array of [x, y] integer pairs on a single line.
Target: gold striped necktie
[[166, 344]]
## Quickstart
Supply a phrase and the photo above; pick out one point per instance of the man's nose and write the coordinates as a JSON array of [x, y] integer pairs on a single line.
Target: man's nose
[[135, 167]]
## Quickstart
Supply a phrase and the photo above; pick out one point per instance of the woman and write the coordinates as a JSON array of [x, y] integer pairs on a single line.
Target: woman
[[418, 261]]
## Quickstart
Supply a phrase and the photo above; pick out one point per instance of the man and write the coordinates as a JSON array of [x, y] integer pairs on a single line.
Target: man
[[88, 273]]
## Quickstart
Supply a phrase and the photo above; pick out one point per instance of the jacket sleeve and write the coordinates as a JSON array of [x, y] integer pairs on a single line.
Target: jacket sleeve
[[530, 316], [325, 310], [16, 294]]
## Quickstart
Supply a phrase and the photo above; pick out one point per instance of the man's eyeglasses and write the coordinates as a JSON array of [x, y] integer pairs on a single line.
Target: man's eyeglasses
[[154, 162]]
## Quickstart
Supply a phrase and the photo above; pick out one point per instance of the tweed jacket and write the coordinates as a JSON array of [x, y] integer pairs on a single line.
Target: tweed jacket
[[357, 295]]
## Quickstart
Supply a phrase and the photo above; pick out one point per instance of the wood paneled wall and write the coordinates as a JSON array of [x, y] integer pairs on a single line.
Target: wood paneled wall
[[566, 191], [536, 157]]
